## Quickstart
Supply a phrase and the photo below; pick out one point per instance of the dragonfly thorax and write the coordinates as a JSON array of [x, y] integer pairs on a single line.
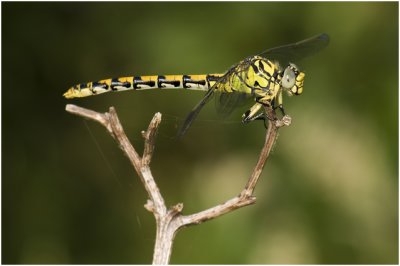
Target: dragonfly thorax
[[262, 75]]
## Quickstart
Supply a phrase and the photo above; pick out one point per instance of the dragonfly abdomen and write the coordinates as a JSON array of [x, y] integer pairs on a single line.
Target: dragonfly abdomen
[[194, 82]]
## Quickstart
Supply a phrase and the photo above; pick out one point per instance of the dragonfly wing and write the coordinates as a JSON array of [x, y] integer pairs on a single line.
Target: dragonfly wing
[[297, 51], [195, 112], [227, 102]]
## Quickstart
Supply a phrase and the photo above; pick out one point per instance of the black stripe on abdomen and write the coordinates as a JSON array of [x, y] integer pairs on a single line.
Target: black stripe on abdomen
[[162, 82], [138, 83], [115, 82], [187, 82]]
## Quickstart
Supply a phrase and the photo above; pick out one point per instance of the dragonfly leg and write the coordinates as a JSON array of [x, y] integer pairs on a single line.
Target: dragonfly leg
[[281, 109], [275, 103], [269, 104], [280, 105], [255, 113], [252, 113], [260, 116]]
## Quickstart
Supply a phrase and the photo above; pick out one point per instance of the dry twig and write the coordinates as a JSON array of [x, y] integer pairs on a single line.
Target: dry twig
[[169, 221]]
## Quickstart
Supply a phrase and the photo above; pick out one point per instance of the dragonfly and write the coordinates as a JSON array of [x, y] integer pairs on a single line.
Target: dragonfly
[[263, 77]]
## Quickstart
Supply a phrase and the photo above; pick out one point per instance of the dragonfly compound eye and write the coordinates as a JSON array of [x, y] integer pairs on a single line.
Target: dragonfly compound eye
[[289, 78]]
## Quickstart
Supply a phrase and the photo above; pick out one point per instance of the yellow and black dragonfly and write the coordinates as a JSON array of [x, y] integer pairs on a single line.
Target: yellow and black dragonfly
[[262, 77]]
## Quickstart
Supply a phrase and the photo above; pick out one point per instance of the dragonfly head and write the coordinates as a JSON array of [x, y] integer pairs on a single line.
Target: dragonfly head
[[293, 80]]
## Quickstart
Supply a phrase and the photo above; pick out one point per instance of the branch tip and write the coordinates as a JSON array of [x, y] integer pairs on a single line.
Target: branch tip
[[112, 110], [149, 205], [155, 122], [149, 138], [68, 107], [285, 121], [177, 208]]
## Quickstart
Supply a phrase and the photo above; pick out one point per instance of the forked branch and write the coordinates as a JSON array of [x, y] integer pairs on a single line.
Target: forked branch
[[169, 221]]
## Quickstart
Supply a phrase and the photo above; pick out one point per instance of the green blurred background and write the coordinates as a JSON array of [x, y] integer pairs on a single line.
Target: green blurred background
[[328, 194]]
